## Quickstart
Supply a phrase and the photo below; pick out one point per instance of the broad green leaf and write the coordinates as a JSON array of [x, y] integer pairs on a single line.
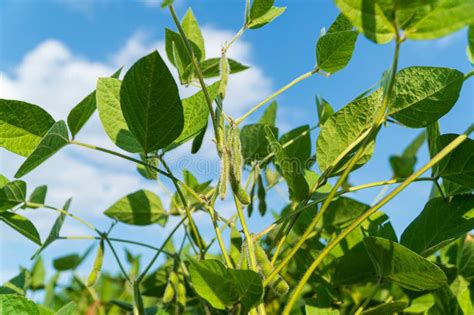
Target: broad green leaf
[[266, 18], [197, 141], [21, 225], [342, 129], [324, 110], [259, 8], [54, 233], [440, 223], [56, 138], [454, 299], [38, 274], [250, 287], [397, 263], [193, 33], [196, 114], [334, 49], [176, 51], [370, 18], [210, 67], [150, 103], [300, 149], [420, 304], [39, 195], [255, 145], [342, 212], [470, 44], [389, 308], [12, 194], [3, 180], [19, 284], [142, 207], [83, 111], [68, 309], [458, 165], [460, 289], [67, 262], [17, 304], [466, 263], [22, 126], [422, 95], [110, 114], [291, 171], [404, 165], [165, 3], [442, 18], [314, 310], [269, 115]]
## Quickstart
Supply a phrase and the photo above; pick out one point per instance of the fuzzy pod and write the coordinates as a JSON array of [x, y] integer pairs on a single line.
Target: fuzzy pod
[[238, 191], [236, 161], [224, 68], [96, 268], [225, 169], [169, 293], [278, 285]]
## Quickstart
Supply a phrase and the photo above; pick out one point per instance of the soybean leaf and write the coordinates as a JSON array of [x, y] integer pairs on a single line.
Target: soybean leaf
[[454, 299], [193, 33], [197, 141], [3, 180], [422, 95], [196, 114], [18, 284], [68, 309], [314, 310], [397, 263], [342, 129], [458, 165], [269, 115], [470, 44], [38, 274], [22, 126], [12, 194], [55, 229], [142, 207], [210, 67], [67, 262], [439, 19], [17, 304], [300, 150], [370, 17], [255, 145], [440, 223], [341, 212], [250, 288], [21, 225], [266, 18], [150, 103], [56, 138], [324, 110], [334, 49], [111, 116], [165, 3], [83, 111], [38, 195], [420, 304], [293, 174], [176, 51], [466, 263], [404, 165], [259, 8], [389, 308]]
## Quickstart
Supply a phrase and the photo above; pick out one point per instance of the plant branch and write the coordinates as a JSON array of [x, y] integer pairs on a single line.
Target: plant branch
[[122, 269]]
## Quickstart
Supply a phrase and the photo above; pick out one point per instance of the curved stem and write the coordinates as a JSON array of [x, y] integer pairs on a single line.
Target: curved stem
[[236, 36], [122, 269]]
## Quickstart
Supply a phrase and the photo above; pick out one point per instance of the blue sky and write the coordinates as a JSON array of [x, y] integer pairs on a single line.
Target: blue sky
[[52, 51]]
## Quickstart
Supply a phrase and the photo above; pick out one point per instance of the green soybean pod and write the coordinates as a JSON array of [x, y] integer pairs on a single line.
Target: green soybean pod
[[261, 193], [238, 191], [180, 290], [169, 293], [235, 145], [224, 70], [225, 168], [278, 285], [99, 259]]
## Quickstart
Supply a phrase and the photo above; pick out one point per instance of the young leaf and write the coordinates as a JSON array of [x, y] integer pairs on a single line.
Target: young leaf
[[269, 115], [177, 53], [422, 95], [370, 17], [151, 104], [259, 8], [300, 149], [343, 128], [404, 165], [68, 309], [324, 110], [17, 304], [334, 49], [38, 275], [294, 175], [39, 195], [18, 284], [97, 267], [210, 67], [421, 304], [397, 263], [255, 145], [142, 207], [22, 126], [67, 262], [266, 18], [12, 194], [440, 223], [193, 33], [110, 114], [54, 233], [56, 138], [21, 225]]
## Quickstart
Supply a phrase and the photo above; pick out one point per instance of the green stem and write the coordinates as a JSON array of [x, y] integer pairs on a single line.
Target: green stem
[[275, 94], [122, 269], [438, 157], [369, 298], [236, 36], [138, 307]]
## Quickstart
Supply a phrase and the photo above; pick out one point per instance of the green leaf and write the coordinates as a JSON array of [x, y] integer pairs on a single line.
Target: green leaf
[[324, 110], [142, 207], [18, 284], [470, 44], [3, 181], [458, 165], [165, 3], [83, 111], [255, 145], [397, 263], [440, 223], [54, 233], [293, 174], [177, 53], [111, 116], [454, 299], [341, 212], [210, 67], [259, 8], [68, 309], [314, 310], [222, 287], [422, 95], [342, 129], [39, 195], [404, 165], [334, 49], [21, 225], [269, 115], [12, 194], [466, 263], [56, 138], [17, 304], [300, 150], [266, 18], [442, 18], [370, 18], [196, 114], [420, 304], [193, 33], [389, 308], [67, 262], [38, 274], [150, 103], [22, 126]]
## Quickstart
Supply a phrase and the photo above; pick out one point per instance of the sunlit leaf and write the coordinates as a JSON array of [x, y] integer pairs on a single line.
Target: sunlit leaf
[[21, 225]]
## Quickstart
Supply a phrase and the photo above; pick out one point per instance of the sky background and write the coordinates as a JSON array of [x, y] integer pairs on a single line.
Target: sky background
[[53, 51]]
